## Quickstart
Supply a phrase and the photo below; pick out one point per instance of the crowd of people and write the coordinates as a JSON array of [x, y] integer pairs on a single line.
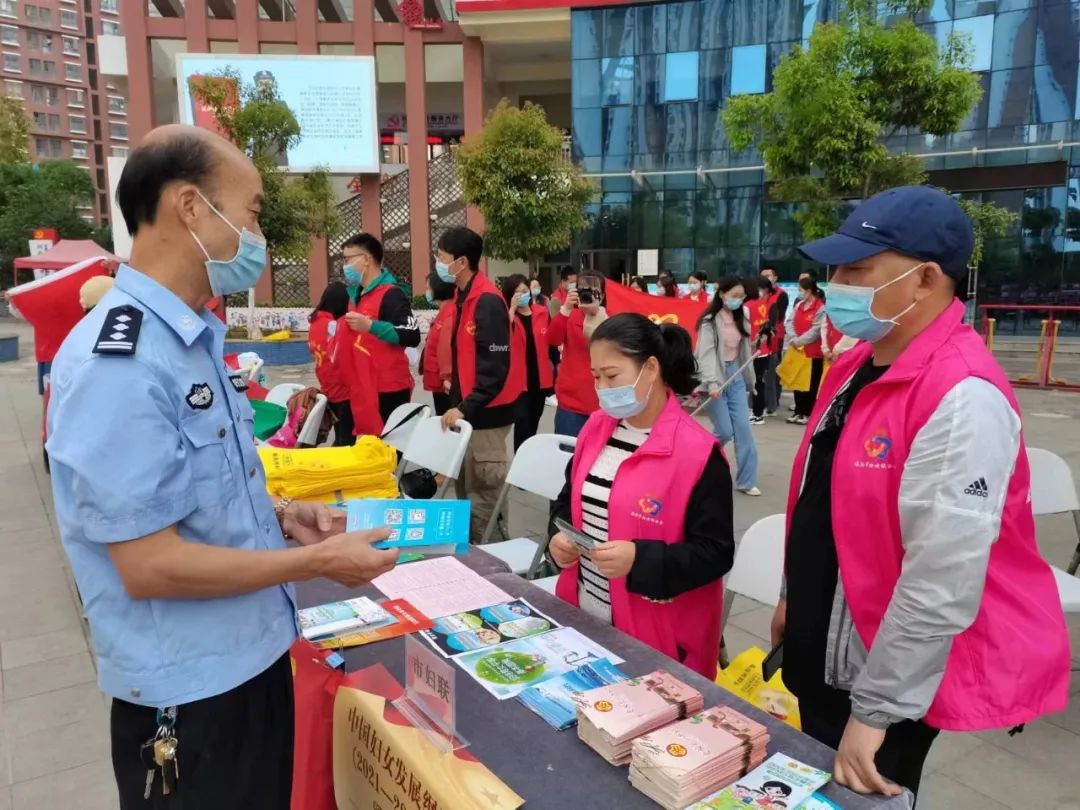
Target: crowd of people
[[899, 615]]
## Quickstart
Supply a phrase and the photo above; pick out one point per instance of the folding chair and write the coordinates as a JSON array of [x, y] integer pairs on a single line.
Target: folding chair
[[538, 468], [441, 451], [758, 567], [309, 431], [400, 426], [547, 583], [1068, 589], [1053, 492], [281, 392]]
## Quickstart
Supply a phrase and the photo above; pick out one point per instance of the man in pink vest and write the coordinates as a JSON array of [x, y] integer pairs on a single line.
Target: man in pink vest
[[920, 602]]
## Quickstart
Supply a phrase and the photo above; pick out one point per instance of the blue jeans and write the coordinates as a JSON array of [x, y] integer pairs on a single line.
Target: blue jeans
[[730, 415], [568, 423]]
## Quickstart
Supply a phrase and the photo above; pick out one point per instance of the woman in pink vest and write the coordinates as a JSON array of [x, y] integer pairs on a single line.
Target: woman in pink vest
[[651, 489], [920, 602]]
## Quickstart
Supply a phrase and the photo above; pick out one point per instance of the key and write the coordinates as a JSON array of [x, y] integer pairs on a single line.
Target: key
[[149, 783], [146, 754], [165, 758]]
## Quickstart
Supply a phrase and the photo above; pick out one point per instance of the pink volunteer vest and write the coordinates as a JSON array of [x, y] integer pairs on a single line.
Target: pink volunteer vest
[[1012, 664], [649, 498]]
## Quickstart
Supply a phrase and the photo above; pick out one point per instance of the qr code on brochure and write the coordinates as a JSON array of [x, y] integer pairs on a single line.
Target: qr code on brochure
[[414, 534], [395, 534], [417, 515], [393, 517]]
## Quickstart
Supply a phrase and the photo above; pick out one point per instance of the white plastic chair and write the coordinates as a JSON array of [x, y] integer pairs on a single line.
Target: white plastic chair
[[309, 431], [547, 583], [281, 392], [1053, 492], [441, 451], [759, 561], [1068, 589], [397, 431], [538, 467]]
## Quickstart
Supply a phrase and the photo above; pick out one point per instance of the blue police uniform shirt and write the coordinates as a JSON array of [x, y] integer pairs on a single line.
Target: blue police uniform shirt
[[142, 441]]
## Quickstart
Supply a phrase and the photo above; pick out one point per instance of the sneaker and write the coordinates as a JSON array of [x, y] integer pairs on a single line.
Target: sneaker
[[791, 407], [770, 413], [757, 420], [802, 420], [792, 420], [753, 492]]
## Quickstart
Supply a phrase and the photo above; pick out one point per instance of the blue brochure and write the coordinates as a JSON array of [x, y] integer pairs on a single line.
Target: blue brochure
[[432, 527]]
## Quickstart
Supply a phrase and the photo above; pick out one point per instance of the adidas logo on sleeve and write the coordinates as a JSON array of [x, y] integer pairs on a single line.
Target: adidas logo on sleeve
[[978, 488]]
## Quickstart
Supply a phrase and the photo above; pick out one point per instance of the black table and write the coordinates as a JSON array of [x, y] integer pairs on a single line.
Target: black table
[[553, 769]]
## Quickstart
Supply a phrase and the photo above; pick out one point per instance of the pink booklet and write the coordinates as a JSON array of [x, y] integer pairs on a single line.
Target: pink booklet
[[638, 705], [719, 738]]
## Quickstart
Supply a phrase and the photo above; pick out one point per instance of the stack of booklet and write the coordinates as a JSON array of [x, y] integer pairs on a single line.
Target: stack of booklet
[[340, 618], [688, 760], [611, 717], [553, 700]]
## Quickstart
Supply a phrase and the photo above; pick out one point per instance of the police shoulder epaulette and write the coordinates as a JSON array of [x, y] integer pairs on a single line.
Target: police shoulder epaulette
[[120, 332]]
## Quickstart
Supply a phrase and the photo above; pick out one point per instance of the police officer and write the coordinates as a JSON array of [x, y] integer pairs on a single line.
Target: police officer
[[178, 552]]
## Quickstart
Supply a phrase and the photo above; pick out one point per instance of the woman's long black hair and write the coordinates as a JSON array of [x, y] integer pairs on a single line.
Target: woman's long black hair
[[335, 300], [638, 338], [810, 283], [509, 285], [724, 285], [667, 284]]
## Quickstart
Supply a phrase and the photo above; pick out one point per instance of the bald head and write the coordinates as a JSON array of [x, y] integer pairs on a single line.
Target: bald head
[[174, 153]]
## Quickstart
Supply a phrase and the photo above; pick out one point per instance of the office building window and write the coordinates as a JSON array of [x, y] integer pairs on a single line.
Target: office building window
[[72, 72], [111, 6], [48, 147], [38, 14], [118, 131], [681, 76], [76, 98], [118, 105], [69, 19], [13, 89], [118, 151], [12, 63], [980, 33], [748, 69], [7, 9], [110, 28], [80, 149], [71, 46], [38, 41], [77, 124], [40, 94], [9, 35]]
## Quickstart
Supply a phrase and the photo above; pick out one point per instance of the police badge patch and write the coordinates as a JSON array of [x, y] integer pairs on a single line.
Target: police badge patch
[[200, 397], [238, 383]]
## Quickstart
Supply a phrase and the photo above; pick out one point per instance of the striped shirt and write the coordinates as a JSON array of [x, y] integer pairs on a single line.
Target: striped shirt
[[594, 590]]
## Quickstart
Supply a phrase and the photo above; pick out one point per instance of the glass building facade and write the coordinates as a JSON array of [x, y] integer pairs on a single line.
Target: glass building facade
[[649, 83]]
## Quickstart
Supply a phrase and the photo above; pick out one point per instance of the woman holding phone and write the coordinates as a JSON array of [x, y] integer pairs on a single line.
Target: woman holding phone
[[650, 487]]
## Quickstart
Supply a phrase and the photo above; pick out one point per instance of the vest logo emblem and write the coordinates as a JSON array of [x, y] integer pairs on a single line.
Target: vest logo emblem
[[878, 446], [470, 328], [649, 506]]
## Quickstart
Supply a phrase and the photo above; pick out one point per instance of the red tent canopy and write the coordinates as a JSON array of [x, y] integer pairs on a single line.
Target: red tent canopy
[[63, 254]]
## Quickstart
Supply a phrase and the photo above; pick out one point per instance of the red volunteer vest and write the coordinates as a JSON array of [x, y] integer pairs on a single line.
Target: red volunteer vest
[[436, 334], [759, 316], [804, 319], [574, 387], [466, 345], [322, 347], [391, 365], [539, 322], [355, 362], [832, 334]]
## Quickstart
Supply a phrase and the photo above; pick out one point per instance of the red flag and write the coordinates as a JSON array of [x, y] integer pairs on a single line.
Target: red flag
[[51, 304], [682, 311]]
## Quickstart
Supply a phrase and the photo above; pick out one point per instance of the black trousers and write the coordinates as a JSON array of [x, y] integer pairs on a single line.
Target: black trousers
[[762, 374], [392, 399], [234, 750], [343, 430], [442, 402], [804, 400], [900, 758], [527, 412]]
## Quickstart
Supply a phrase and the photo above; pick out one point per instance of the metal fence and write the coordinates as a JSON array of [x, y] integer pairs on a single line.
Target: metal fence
[[446, 202], [396, 211], [1037, 346]]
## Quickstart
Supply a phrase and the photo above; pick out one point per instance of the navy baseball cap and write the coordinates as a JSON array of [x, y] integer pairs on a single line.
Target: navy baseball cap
[[918, 221]]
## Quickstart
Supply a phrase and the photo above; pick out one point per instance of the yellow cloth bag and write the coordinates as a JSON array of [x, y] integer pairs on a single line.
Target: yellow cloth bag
[[743, 678], [794, 370], [277, 337], [365, 470]]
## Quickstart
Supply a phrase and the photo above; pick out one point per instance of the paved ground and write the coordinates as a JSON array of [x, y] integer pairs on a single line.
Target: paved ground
[[54, 723]]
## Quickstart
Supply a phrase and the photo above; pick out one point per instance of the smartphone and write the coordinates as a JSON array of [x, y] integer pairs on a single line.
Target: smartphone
[[579, 539], [773, 661]]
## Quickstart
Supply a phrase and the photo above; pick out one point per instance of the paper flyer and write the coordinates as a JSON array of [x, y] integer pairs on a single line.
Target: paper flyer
[[436, 526], [440, 586], [779, 783], [485, 627], [405, 619], [333, 618], [553, 699], [507, 669]]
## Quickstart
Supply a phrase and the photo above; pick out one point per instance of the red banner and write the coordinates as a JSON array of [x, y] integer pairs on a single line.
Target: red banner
[[203, 114], [682, 311]]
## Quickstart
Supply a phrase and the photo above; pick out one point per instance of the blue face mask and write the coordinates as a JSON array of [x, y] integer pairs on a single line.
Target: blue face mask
[[429, 297], [734, 303], [352, 277], [523, 301], [241, 271], [443, 269], [851, 309], [622, 402]]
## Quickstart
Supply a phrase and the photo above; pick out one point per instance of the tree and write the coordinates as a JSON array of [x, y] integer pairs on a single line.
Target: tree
[[295, 207], [821, 131], [14, 132], [48, 195], [514, 171]]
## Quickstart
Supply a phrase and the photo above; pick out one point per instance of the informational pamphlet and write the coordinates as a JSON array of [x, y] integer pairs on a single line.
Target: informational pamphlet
[[485, 627], [434, 527], [405, 619], [553, 699], [507, 669], [779, 783], [335, 618], [440, 587]]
